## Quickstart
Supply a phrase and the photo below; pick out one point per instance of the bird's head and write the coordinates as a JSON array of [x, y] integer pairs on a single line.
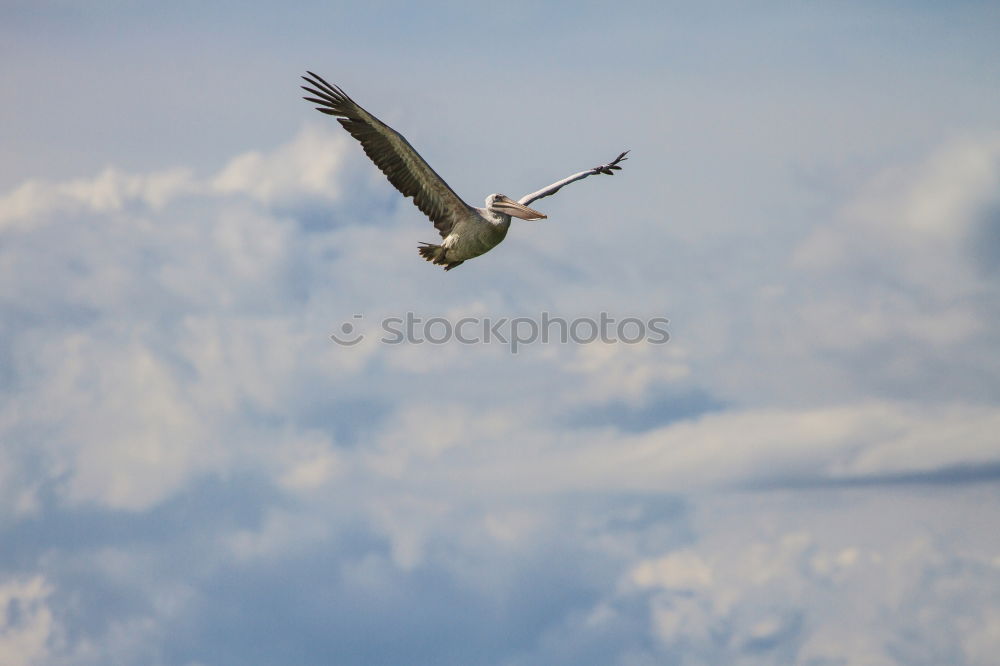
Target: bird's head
[[499, 203]]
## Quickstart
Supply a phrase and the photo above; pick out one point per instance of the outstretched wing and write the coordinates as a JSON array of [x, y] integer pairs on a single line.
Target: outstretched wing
[[608, 169], [392, 154]]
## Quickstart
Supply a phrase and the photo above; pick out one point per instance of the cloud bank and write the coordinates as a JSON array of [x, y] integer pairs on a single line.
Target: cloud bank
[[193, 473]]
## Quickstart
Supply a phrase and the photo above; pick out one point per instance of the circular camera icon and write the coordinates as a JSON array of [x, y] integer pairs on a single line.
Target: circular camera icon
[[348, 336]]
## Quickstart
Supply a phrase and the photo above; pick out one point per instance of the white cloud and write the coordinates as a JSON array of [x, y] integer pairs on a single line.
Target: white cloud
[[34, 202], [183, 297], [280, 535], [626, 372], [727, 449], [915, 224], [310, 461], [888, 295], [851, 586], [682, 570], [309, 165], [27, 626]]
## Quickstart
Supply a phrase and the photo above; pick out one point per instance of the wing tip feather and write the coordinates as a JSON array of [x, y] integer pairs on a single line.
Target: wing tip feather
[[372, 134]]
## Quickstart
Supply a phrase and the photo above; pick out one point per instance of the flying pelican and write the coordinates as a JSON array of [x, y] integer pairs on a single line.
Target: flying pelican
[[467, 232]]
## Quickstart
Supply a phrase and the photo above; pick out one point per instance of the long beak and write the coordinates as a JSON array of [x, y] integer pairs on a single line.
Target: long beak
[[511, 207]]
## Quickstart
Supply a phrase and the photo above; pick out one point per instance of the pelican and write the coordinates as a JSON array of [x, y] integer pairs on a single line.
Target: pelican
[[467, 231]]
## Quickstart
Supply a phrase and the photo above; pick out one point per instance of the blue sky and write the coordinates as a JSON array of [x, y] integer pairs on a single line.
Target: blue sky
[[193, 473]]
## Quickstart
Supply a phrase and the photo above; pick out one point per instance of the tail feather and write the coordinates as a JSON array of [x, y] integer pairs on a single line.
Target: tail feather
[[436, 255], [431, 252]]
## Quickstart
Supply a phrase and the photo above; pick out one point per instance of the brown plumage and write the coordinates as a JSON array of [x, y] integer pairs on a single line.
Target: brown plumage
[[393, 155]]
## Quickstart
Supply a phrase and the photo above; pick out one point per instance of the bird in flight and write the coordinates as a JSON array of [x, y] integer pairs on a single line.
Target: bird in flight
[[467, 231]]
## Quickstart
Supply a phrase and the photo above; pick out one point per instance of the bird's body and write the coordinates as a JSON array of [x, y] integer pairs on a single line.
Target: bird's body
[[467, 231], [476, 233]]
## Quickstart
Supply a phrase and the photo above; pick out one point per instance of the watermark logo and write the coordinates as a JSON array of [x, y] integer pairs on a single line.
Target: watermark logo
[[515, 332], [349, 335]]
